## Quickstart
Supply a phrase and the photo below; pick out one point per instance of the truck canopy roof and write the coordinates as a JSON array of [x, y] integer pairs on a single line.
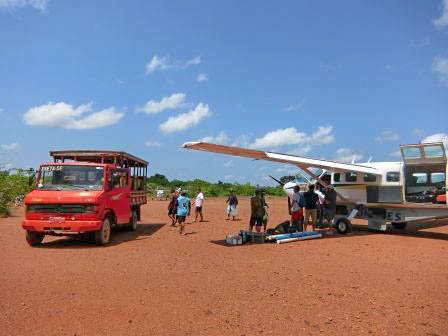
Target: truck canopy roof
[[99, 156]]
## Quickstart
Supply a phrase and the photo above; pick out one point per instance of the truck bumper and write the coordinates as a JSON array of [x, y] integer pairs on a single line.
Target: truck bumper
[[67, 227]]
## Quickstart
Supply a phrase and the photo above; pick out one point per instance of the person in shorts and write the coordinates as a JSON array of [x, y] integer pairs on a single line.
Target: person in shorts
[[172, 210], [183, 210], [257, 211], [296, 208], [198, 205]]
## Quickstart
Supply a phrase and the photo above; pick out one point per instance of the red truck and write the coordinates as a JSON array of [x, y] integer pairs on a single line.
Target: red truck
[[85, 193]]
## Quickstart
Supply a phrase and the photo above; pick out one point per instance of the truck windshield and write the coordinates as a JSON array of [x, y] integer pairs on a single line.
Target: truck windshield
[[71, 178]]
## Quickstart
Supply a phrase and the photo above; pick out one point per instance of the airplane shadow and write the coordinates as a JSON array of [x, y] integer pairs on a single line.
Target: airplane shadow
[[144, 231]]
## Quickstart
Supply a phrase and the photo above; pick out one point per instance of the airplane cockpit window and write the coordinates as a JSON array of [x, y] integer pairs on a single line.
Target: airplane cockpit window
[[411, 152], [336, 177], [438, 178], [351, 177], [369, 177], [433, 151], [419, 178], [393, 177]]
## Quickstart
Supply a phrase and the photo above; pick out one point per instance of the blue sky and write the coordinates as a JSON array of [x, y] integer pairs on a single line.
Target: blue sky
[[326, 79]]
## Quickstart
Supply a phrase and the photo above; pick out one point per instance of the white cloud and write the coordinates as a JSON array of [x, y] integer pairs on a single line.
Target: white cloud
[[163, 63], [438, 137], [347, 155], [220, 139], [15, 4], [202, 77], [12, 147], [194, 61], [157, 63], [228, 177], [186, 120], [229, 164], [440, 67], [150, 143], [67, 116], [387, 136], [175, 101], [290, 136], [301, 151], [442, 21]]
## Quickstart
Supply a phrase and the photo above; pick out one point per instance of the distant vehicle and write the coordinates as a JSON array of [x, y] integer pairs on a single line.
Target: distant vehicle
[[85, 193], [382, 192]]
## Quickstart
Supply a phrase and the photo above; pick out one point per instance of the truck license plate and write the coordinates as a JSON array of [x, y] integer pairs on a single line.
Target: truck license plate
[[57, 220]]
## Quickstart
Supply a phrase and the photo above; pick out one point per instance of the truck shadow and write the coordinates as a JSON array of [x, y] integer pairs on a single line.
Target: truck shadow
[[144, 231]]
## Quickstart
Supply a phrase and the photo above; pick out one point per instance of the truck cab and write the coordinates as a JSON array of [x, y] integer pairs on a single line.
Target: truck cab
[[87, 194]]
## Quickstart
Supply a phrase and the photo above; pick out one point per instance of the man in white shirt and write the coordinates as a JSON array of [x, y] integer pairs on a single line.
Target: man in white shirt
[[198, 205], [320, 209]]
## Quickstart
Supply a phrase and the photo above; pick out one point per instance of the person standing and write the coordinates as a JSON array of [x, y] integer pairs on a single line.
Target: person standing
[[198, 205], [296, 208], [265, 206], [330, 206], [257, 211], [183, 210], [311, 204], [232, 202], [172, 210], [320, 206]]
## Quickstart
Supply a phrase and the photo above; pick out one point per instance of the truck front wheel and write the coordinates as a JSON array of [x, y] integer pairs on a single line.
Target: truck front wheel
[[102, 236], [34, 238]]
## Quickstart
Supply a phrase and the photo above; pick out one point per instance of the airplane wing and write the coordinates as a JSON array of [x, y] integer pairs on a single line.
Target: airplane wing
[[299, 161]]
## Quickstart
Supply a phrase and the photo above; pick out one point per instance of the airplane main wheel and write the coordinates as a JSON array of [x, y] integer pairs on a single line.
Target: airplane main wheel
[[399, 225], [34, 238], [343, 225]]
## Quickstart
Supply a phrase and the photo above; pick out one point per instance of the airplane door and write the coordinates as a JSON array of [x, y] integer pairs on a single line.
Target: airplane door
[[425, 166]]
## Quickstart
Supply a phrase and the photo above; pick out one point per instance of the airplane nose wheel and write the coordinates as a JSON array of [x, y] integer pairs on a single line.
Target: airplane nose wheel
[[343, 225]]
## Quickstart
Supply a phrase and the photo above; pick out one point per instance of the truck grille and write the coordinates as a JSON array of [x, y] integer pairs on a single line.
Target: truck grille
[[57, 208]]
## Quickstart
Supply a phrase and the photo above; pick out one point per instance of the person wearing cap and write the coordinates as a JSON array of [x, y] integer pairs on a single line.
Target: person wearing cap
[[311, 204], [257, 211], [330, 205]]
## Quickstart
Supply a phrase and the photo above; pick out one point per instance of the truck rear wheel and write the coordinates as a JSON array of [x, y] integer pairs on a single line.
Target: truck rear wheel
[[399, 225], [102, 236], [132, 226], [34, 238]]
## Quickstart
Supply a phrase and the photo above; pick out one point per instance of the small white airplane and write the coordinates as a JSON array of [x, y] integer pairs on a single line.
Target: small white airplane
[[397, 193]]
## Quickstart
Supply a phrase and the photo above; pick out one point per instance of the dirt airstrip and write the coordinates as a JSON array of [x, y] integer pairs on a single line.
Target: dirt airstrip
[[155, 282]]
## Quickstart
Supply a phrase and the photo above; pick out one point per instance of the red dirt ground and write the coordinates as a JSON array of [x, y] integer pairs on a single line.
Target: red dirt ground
[[155, 282]]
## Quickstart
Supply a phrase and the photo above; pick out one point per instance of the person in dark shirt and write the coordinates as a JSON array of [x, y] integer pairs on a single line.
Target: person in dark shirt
[[330, 205], [172, 209], [257, 211], [311, 204], [231, 208]]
